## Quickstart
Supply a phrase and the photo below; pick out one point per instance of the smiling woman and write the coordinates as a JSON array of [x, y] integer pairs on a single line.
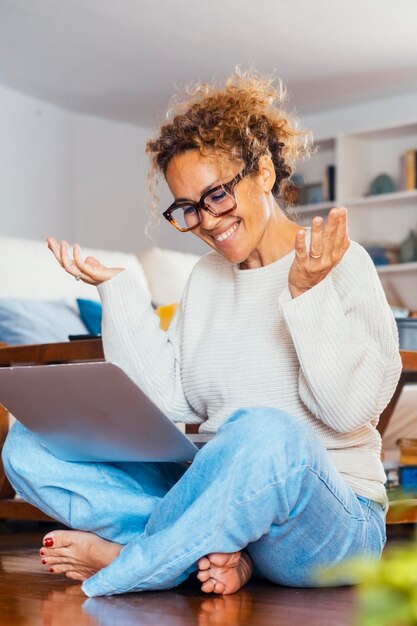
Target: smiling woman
[[283, 345], [237, 123], [236, 139]]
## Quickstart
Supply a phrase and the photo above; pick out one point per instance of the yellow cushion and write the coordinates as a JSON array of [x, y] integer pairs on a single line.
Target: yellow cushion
[[166, 313]]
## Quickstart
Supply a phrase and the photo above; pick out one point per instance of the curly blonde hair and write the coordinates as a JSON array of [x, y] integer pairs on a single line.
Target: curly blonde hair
[[240, 121]]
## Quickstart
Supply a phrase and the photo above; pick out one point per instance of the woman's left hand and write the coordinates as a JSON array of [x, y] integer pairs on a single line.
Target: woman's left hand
[[327, 247]]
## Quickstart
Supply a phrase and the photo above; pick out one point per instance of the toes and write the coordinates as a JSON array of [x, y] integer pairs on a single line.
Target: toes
[[208, 587], [57, 539], [51, 561], [219, 587], [62, 554], [204, 563], [203, 575], [60, 568]]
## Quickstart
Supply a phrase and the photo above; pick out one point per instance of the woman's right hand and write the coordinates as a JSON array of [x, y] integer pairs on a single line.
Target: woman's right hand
[[90, 270]]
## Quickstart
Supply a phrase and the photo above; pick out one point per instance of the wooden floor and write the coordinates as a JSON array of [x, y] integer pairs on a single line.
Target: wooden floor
[[31, 597]]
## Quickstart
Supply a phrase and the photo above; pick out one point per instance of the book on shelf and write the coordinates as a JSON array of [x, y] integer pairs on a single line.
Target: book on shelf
[[329, 183], [409, 168]]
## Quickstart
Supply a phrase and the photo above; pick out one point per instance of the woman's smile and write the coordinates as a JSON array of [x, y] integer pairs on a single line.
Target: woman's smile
[[227, 235]]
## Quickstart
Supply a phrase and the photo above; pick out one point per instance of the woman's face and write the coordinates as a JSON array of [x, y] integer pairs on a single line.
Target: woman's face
[[239, 235]]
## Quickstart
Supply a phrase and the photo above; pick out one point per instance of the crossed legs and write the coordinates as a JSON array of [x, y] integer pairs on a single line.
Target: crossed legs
[[264, 484]]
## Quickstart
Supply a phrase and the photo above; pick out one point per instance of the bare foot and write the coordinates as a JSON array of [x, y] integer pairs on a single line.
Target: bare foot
[[224, 573], [77, 554]]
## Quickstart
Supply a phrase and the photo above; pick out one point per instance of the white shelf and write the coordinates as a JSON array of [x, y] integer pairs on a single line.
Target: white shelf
[[317, 207], [360, 155], [397, 267], [378, 200]]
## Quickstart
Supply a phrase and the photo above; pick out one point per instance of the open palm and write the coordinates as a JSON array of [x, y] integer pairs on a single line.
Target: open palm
[[89, 270]]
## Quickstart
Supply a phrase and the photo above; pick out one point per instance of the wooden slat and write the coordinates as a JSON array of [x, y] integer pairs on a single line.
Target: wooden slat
[[19, 510], [6, 490], [66, 352], [409, 359], [402, 512]]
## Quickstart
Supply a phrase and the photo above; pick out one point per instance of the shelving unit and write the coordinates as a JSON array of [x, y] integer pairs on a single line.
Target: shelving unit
[[387, 218]]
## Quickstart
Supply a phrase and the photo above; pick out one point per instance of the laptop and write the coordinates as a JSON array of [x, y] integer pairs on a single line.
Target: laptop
[[93, 412]]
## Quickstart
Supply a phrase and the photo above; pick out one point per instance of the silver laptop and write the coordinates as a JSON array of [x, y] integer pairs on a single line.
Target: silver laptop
[[92, 412]]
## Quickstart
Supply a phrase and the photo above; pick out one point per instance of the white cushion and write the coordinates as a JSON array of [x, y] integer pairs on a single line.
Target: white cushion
[[28, 269], [167, 272]]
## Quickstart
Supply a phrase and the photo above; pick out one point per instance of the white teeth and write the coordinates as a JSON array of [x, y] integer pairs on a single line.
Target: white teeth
[[227, 234]]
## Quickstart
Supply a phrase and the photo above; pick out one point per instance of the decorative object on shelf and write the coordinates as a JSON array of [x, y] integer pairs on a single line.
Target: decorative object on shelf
[[383, 183], [408, 248], [409, 169], [378, 254], [311, 194], [329, 183], [408, 463], [298, 180], [383, 253]]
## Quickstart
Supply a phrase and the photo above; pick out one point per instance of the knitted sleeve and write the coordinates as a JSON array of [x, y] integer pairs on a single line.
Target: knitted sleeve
[[148, 355], [346, 341]]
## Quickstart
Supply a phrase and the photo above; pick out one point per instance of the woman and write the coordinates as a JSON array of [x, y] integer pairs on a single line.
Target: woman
[[284, 345]]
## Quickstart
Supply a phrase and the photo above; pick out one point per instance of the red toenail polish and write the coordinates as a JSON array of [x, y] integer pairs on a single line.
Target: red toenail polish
[[42, 553], [44, 561], [48, 543], [51, 570]]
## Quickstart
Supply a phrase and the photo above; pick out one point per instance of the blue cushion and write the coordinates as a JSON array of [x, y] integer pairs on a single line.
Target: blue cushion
[[91, 313], [38, 321]]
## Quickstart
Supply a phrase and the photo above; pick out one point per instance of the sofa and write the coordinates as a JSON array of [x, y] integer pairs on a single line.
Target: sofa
[[29, 275]]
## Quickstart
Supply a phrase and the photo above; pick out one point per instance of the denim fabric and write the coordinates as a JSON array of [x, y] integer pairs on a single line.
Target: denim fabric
[[264, 483]]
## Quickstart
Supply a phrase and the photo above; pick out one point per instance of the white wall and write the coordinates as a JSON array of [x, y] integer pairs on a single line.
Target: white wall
[[84, 178], [36, 168], [371, 114], [111, 189], [77, 177], [109, 183]]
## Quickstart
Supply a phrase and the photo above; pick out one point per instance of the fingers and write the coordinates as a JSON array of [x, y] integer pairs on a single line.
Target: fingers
[[300, 245], [341, 239], [88, 272], [60, 252], [316, 238], [54, 247], [74, 266], [66, 262], [328, 243], [331, 241]]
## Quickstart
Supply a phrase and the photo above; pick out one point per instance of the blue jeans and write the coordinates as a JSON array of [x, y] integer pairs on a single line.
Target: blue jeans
[[264, 483]]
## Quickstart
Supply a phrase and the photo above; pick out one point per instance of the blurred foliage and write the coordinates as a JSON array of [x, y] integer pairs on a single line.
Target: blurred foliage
[[387, 590]]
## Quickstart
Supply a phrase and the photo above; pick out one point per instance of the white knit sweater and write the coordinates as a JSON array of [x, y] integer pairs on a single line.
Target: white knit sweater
[[329, 357]]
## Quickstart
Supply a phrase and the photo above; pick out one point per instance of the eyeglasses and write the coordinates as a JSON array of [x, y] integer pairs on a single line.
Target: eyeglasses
[[186, 215]]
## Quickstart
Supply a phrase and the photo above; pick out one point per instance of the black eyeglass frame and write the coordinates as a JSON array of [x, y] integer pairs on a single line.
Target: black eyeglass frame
[[200, 205]]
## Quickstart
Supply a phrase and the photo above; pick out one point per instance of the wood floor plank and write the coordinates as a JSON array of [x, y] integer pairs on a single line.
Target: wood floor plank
[[31, 597]]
